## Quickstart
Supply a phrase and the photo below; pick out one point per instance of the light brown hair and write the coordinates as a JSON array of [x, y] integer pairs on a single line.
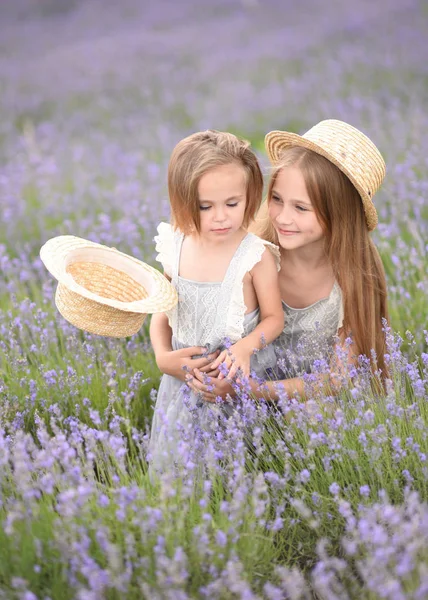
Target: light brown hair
[[194, 156], [356, 263]]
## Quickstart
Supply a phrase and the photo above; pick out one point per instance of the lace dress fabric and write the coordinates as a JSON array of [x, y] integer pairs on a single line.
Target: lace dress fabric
[[206, 314], [309, 334]]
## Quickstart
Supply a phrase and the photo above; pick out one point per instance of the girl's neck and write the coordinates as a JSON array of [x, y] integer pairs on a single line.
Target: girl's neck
[[311, 257], [306, 276]]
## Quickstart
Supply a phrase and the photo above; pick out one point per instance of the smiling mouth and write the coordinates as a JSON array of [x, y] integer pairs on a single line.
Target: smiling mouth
[[221, 230], [287, 232]]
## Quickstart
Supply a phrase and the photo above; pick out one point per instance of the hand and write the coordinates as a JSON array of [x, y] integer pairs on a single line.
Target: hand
[[210, 388], [210, 372], [179, 363], [234, 358]]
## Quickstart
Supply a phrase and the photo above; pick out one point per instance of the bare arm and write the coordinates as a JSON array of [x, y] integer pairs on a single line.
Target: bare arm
[[174, 362], [160, 333], [265, 281], [329, 383], [266, 286], [273, 389]]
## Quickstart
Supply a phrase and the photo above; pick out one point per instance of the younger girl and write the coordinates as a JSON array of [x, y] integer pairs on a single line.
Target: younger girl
[[320, 211], [227, 282]]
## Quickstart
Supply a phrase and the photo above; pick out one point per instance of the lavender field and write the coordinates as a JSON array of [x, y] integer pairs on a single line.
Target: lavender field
[[330, 499]]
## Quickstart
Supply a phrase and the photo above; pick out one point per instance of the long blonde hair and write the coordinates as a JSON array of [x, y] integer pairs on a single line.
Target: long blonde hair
[[355, 260]]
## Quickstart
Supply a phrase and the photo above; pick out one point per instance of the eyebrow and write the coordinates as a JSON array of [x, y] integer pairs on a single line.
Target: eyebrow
[[227, 200], [293, 199]]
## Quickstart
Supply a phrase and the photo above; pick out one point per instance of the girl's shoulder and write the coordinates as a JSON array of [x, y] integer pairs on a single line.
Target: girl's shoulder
[[166, 241], [256, 247]]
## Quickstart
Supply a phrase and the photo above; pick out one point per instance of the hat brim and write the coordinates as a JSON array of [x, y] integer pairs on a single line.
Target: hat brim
[[278, 141], [61, 251]]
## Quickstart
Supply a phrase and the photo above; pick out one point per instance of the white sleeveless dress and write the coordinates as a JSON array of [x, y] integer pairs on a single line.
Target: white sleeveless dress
[[207, 314]]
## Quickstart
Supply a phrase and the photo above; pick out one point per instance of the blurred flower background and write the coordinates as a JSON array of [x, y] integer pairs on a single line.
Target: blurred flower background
[[330, 503]]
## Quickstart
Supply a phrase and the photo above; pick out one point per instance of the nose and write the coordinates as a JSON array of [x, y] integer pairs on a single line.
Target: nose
[[285, 217], [219, 214]]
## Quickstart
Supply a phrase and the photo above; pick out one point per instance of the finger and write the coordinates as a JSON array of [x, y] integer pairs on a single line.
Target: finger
[[233, 370], [200, 376], [220, 358], [200, 363], [198, 386], [226, 365], [224, 372], [197, 375], [213, 374], [193, 351], [205, 395], [200, 373], [208, 369], [216, 363], [193, 387], [229, 361]]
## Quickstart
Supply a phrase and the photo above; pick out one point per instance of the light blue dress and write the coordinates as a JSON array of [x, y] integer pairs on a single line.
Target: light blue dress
[[207, 313], [309, 335]]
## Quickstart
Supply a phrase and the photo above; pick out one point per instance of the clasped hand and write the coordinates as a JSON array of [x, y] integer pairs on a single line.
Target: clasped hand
[[210, 388], [232, 362], [209, 375], [179, 363]]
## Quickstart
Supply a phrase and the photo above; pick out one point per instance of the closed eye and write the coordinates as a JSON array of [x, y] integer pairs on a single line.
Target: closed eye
[[276, 198], [231, 205], [302, 208]]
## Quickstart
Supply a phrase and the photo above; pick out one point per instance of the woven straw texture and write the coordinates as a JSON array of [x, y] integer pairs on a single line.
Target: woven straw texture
[[94, 317], [102, 290], [346, 147], [107, 282]]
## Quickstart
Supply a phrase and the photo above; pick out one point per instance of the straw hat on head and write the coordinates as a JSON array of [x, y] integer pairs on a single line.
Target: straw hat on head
[[102, 290], [347, 148]]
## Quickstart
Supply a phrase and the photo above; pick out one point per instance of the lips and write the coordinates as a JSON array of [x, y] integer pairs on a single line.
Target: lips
[[286, 232], [221, 230]]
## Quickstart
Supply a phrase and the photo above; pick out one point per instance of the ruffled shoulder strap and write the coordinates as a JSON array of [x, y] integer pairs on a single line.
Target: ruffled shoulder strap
[[168, 245], [250, 253], [275, 251], [165, 243], [253, 248]]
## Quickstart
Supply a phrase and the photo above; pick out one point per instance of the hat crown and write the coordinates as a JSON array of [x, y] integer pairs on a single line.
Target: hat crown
[[353, 150]]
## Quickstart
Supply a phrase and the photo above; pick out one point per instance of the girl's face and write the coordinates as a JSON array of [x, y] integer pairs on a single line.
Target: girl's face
[[222, 193], [292, 213]]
